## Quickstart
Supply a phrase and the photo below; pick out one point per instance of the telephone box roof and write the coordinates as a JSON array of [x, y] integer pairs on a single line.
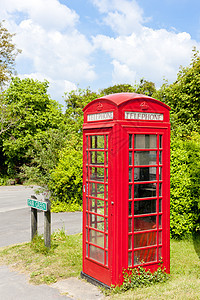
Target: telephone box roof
[[121, 98]]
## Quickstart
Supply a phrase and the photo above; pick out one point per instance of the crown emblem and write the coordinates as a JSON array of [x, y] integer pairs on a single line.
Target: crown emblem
[[99, 106], [144, 106]]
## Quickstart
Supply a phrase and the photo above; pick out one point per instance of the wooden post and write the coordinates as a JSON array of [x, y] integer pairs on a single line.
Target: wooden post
[[47, 225], [33, 222]]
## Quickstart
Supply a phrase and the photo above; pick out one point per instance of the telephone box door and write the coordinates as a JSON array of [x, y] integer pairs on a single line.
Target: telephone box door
[[148, 203], [96, 205]]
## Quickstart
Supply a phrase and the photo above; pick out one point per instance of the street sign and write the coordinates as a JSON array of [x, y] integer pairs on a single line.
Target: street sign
[[37, 204]]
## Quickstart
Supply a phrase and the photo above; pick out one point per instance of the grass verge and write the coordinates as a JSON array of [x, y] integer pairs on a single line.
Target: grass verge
[[43, 265], [63, 260]]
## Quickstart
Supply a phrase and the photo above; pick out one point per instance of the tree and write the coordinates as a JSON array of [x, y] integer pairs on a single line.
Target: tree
[[8, 54], [183, 96], [36, 113]]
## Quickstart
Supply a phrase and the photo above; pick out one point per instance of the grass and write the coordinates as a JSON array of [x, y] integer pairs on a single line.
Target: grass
[[63, 260], [43, 265]]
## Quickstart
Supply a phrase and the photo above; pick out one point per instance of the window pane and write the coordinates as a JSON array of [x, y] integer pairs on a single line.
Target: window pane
[[145, 190], [97, 238], [145, 174], [130, 141], [130, 259], [130, 174], [145, 239], [144, 207], [97, 254], [97, 206], [145, 158], [145, 223], [130, 158], [97, 190], [130, 242], [160, 141], [130, 225], [97, 142], [143, 256], [145, 141], [97, 157], [97, 174], [130, 191], [130, 208], [97, 222]]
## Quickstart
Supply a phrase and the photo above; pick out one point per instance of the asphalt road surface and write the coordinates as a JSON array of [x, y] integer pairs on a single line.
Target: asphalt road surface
[[15, 217]]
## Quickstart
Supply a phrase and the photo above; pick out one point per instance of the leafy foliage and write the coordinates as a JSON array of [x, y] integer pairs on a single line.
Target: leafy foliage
[[8, 53], [139, 277], [66, 179], [185, 185], [36, 113]]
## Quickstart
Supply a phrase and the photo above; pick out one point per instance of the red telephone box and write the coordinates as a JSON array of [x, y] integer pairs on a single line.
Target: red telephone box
[[126, 186]]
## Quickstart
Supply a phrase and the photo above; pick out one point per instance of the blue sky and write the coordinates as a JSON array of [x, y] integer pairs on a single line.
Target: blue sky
[[99, 43]]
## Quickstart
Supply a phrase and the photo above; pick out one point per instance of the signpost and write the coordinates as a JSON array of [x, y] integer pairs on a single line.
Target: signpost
[[43, 206]]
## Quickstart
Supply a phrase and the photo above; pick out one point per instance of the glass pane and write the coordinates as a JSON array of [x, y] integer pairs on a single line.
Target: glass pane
[[160, 173], [97, 254], [145, 190], [130, 191], [97, 142], [106, 142], [106, 212], [106, 157], [97, 206], [160, 253], [130, 141], [160, 189], [160, 205], [160, 237], [106, 174], [106, 258], [130, 259], [145, 174], [106, 241], [130, 208], [145, 239], [145, 158], [145, 141], [145, 223], [97, 190], [130, 174], [160, 141], [144, 207], [160, 157], [86, 142], [130, 158], [145, 255], [97, 238], [97, 157], [97, 174], [130, 242], [130, 225], [160, 221], [97, 222]]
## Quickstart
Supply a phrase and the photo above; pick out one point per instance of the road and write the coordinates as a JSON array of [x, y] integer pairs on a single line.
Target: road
[[15, 217]]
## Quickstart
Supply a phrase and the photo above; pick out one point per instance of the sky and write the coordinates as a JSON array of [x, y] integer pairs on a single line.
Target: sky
[[98, 43]]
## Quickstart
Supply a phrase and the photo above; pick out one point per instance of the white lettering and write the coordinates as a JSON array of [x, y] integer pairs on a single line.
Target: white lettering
[[100, 116], [131, 115]]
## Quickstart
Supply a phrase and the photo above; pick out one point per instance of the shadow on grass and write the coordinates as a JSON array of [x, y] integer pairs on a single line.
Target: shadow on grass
[[196, 242]]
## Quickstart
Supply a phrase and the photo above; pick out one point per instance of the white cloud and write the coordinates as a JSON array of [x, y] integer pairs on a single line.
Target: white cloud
[[46, 32], [138, 51], [122, 16]]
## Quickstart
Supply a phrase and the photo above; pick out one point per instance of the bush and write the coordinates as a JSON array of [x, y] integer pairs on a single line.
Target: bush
[[66, 179], [185, 185]]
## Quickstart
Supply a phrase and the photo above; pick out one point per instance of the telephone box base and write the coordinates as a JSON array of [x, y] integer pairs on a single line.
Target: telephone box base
[[94, 281]]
